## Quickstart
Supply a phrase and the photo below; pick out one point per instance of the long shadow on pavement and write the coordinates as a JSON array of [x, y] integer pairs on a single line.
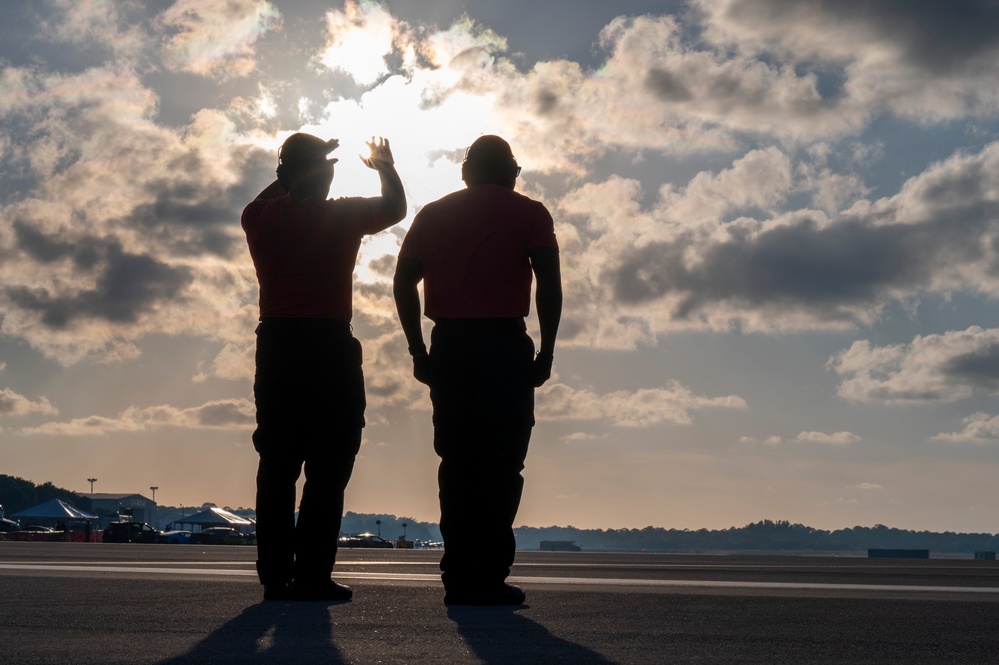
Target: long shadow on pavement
[[500, 635], [272, 632]]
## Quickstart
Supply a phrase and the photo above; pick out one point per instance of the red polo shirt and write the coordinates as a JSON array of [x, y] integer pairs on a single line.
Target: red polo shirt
[[304, 253], [474, 247]]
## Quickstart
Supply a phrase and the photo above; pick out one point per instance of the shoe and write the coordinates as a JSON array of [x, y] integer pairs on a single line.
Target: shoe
[[325, 590], [506, 594], [280, 591]]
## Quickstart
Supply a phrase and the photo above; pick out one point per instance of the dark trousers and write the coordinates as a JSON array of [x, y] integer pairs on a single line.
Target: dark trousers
[[309, 394], [483, 415]]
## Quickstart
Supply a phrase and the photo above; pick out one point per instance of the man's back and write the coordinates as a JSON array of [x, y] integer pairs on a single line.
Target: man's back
[[474, 246], [304, 253]]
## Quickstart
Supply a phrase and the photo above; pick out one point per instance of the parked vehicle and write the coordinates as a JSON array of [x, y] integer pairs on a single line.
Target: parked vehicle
[[363, 540], [174, 537], [218, 535], [130, 532], [6, 525], [38, 528]]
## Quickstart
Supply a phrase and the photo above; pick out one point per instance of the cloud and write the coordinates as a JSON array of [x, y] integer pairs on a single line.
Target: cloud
[[709, 256], [116, 27], [234, 362], [109, 192], [13, 404], [835, 439], [215, 37], [359, 38], [227, 414], [924, 61], [978, 428], [127, 285], [127, 227], [689, 89], [580, 436], [937, 368], [674, 403], [867, 487]]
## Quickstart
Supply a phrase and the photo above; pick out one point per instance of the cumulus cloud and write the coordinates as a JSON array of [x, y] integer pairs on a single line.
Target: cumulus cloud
[[116, 27], [834, 439], [692, 260], [674, 403], [215, 37], [692, 89], [822, 438], [580, 436], [229, 414], [113, 195], [130, 225], [126, 286], [980, 428], [13, 404], [925, 61], [941, 368], [360, 36]]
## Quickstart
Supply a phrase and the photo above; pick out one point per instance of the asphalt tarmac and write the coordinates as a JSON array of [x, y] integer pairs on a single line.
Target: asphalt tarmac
[[108, 603]]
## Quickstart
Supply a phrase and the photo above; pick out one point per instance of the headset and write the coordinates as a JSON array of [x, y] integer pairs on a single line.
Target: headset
[[505, 170]]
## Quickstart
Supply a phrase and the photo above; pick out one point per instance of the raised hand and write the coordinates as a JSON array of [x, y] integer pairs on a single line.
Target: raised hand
[[380, 153]]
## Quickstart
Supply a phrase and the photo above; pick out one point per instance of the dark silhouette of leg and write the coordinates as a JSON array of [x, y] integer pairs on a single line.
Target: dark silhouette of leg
[[276, 477], [483, 415]]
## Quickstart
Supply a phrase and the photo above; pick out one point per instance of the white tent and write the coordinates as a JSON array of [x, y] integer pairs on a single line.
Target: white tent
[[214, 517], [54, 509]]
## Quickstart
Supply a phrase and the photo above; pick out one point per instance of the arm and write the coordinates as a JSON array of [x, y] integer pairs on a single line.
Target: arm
[[272, 191], [393, 194], [405, 288], [548, 301]]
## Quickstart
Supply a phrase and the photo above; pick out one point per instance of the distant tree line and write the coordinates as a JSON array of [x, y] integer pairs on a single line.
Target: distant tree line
[[759, 536], [17, 494]]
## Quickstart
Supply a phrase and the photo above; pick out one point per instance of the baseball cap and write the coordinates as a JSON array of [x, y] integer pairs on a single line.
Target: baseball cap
[[301, 149]]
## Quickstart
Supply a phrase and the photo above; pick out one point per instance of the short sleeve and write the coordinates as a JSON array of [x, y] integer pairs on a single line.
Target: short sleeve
[[411, 245], [542, 229], [366, 215], [251, 213]]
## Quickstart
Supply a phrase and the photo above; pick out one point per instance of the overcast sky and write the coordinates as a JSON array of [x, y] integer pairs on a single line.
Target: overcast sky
[[779, 226]]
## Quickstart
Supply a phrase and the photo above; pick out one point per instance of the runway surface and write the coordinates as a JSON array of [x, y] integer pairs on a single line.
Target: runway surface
[[111, 603]]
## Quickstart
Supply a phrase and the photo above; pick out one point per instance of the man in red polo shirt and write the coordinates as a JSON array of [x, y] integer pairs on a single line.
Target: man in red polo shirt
[[476, 251], [309, 387]]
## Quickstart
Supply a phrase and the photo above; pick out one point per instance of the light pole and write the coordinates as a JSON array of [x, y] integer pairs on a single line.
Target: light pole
[[404, 525], [91, 481], [378, 523], [154, 488]]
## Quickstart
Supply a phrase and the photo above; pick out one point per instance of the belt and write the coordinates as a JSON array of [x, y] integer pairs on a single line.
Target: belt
[[304, 324]]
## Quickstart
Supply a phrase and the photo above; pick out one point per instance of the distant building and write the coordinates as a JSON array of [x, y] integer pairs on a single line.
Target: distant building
[[559, 546], [122, 507]]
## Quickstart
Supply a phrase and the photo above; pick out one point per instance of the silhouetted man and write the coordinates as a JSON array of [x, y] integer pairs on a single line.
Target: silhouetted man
[[475, 251], [309, 387]]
